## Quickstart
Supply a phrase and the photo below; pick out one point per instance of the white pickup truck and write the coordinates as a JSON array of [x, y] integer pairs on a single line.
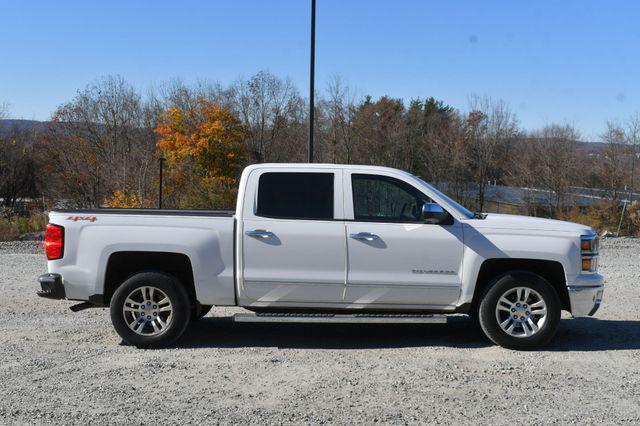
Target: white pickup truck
[[325, 243]]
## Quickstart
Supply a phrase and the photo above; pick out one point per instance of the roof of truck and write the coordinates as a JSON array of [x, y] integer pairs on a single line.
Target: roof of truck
[[324, 166]]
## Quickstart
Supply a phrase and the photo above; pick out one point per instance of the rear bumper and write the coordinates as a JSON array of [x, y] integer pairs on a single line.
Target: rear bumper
[[585, 295], [52, 287]]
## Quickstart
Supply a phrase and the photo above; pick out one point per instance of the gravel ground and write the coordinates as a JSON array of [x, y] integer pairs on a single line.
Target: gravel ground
[[60, 367]]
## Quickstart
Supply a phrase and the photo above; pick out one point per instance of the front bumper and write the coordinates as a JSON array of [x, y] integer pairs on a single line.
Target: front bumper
[[585, 295], [52, 286]]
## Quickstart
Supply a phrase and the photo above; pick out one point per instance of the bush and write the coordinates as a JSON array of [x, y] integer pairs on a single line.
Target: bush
[[8, 230], [11, 227], [606, 216], [633, 211]]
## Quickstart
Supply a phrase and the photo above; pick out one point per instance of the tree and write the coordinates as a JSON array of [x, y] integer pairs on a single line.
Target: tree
[[101, 142], [556, 163], [613, 165], [632, 138], [203, 147], [336, 131], [490, 127], [437, 143], [273, 115], [4, 111], [380, 128], [18, 167]]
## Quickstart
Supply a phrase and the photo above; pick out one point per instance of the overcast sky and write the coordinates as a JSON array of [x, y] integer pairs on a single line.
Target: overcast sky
[[574, 62]]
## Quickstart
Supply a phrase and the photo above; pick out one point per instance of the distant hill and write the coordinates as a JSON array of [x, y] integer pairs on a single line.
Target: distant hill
[[592, 146], [9, 125]]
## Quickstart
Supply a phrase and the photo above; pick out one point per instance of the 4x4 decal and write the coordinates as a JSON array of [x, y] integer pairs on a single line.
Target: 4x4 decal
[[77, 218]]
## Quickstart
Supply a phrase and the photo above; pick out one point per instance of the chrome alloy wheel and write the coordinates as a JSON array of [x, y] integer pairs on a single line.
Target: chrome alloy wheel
[[147, 311], [521, 312]]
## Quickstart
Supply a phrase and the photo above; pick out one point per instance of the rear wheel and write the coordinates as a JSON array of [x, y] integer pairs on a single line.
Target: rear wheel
[[150, 310], [521, 310]]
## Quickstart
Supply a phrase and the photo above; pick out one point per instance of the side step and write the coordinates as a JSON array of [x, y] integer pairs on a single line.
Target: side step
[[341, 318]]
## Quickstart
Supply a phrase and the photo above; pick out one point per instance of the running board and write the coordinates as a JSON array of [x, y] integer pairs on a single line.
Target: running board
[[341, 318]]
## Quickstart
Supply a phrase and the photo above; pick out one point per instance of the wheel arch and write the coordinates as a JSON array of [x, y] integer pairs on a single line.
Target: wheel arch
[[123, 264], [491, 269]]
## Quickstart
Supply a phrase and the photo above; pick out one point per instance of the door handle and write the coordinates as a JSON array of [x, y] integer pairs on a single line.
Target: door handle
[[261, 233], [368, 236]]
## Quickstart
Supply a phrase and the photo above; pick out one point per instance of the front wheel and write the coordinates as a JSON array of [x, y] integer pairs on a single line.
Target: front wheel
[[521, 310], [150, 310]]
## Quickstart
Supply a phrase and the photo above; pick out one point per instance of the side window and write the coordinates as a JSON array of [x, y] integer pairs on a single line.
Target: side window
[[295, 195], [384, 199]]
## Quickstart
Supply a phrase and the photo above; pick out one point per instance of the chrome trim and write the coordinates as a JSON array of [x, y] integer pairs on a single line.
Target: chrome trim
[[365, 236], [585, 300], [261, 233], [431, 208]]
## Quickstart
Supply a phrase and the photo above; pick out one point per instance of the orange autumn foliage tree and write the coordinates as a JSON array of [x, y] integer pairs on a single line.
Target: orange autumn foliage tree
[[204, 152], [122, 201]]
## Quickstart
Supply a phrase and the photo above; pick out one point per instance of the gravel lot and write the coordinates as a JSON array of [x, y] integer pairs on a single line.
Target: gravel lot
[[61, 367]]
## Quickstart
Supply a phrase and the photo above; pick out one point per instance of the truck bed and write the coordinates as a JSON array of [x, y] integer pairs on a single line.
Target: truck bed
[[204, 239]]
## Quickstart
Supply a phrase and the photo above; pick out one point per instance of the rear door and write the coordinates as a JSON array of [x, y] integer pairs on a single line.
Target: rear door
[[293, 241]]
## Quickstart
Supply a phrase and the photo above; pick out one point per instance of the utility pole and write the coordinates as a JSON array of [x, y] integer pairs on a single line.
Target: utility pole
[[160, 161], [312, 66]]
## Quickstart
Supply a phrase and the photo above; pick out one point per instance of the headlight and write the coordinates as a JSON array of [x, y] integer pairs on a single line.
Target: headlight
[[589, 245], [590, 264]]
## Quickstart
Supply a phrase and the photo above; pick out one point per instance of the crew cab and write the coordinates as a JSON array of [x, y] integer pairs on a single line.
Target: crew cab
[[324, 243]]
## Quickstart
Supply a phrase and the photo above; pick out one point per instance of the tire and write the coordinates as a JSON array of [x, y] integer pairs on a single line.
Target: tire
[[167, 311], [200, 311], [526, 296]]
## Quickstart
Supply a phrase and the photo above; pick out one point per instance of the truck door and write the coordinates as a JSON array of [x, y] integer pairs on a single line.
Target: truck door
[[293, 247], [394, 257]]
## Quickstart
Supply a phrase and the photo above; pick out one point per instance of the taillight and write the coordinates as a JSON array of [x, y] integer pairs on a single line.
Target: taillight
[[54, 241]]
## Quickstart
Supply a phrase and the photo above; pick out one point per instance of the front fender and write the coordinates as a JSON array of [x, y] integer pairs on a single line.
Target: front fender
[[509, 244]]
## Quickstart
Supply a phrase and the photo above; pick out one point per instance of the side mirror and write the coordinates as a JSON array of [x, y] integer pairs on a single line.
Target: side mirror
[[434, 214]]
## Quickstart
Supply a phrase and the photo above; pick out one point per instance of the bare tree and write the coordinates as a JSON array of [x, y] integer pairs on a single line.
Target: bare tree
[[556, 162], [338, 110], [272, 112], [101, 142], [632, 138], [18, 168], [491, 127], [613, 170]]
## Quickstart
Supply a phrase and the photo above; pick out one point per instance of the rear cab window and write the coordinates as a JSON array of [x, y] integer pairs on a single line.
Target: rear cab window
[[295, 195]]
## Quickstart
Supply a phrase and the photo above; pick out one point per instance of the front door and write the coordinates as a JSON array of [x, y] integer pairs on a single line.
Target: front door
[[293, 247], [393, 256]]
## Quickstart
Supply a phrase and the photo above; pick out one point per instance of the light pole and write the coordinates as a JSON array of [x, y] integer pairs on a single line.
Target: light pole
[[312, 66]]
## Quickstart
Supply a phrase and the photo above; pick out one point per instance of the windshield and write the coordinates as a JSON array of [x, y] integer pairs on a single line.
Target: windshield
[[450, 201]]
